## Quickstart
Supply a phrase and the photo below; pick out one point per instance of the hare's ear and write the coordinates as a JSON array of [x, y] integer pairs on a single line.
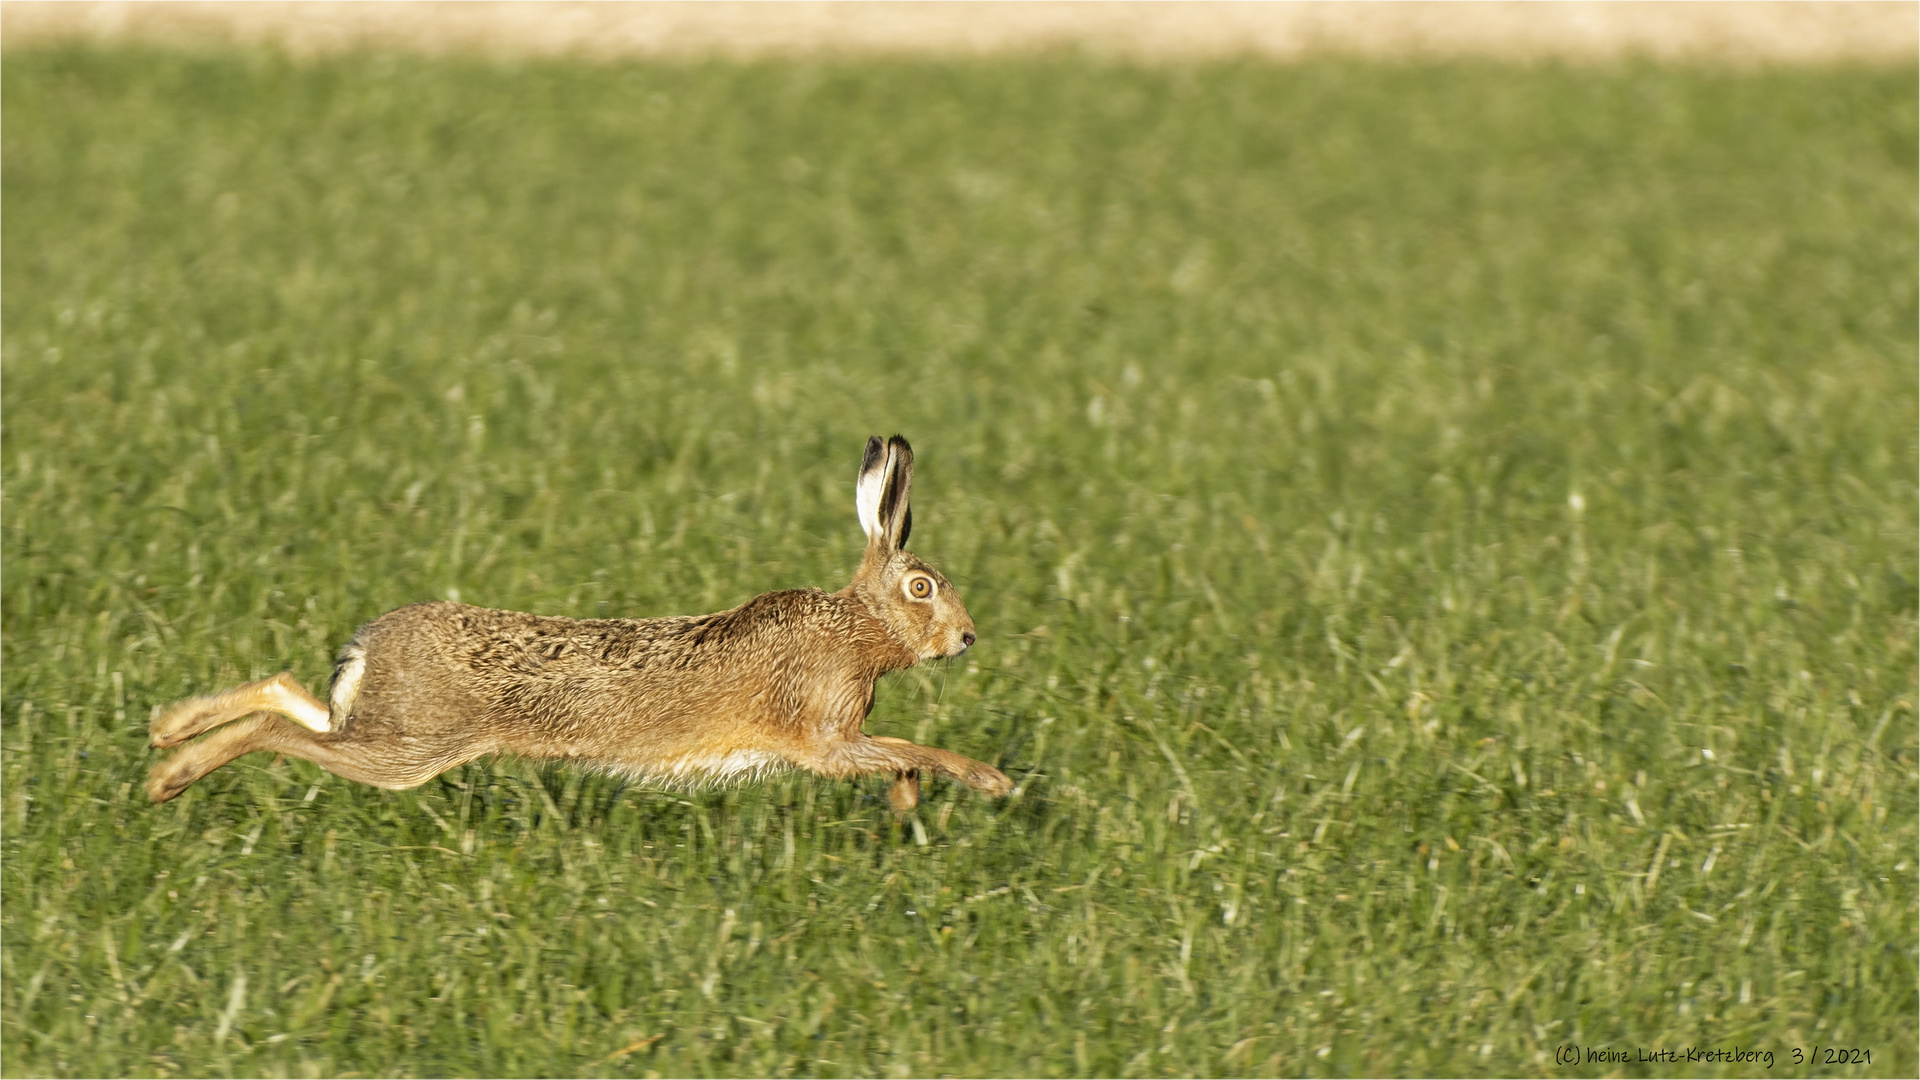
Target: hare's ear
[[896, 514], [886, 477], [867, 489]]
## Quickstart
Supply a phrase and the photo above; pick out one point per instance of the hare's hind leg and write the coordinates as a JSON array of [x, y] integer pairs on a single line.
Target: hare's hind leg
[[281, 694], [380, 759]]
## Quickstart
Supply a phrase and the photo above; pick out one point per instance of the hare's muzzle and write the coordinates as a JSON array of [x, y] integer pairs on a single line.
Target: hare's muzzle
[[967, 640]]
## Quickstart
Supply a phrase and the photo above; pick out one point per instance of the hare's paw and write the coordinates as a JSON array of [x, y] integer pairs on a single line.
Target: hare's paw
[[183, 722], [905, 792], [988, 780], [171, 777]]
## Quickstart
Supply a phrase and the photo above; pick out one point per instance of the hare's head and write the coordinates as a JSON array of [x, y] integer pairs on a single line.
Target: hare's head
[[920, 606]]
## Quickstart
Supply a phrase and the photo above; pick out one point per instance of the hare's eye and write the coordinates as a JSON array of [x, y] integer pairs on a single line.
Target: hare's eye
[[920, 587]]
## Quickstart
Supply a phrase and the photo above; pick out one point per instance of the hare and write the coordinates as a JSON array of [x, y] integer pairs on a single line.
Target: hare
[[785, 679]]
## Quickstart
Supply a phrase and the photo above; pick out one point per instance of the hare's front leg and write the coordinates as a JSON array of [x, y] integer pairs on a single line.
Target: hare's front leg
[[864, 755], [977, 775]]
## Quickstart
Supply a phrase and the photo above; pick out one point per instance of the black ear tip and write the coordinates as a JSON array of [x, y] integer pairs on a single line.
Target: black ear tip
[[900, 442], [875, 448]]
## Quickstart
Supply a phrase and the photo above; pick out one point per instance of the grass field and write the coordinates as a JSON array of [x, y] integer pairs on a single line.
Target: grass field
[[1443, 540]]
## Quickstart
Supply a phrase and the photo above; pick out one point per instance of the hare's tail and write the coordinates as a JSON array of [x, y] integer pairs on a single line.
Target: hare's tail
[[348, 669]]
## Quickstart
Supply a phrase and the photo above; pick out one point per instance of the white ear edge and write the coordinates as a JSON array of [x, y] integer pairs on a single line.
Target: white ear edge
[[866, 496]]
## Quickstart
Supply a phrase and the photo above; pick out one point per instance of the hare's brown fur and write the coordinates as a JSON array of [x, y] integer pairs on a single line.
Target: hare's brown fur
[[785, 679]]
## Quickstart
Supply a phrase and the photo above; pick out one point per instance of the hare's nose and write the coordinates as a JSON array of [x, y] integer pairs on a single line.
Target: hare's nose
[[966, 639]]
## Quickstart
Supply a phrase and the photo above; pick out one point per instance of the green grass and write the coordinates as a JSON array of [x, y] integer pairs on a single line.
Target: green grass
[[1443, 541]]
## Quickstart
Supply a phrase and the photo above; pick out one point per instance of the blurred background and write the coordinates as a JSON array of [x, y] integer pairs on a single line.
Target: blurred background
[[1435, 485], [1738, 32]]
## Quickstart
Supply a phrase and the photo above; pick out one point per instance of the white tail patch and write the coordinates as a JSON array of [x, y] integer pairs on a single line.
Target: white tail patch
[[346, 686]]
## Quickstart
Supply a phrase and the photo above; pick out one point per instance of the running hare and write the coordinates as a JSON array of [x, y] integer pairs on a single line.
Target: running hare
[[784, 679]]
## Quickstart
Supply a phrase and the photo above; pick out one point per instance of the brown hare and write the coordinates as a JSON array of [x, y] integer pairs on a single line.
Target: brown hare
[[785, 679]]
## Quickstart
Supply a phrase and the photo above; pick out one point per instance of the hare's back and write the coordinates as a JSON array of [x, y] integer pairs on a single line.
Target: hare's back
[[455, 664]]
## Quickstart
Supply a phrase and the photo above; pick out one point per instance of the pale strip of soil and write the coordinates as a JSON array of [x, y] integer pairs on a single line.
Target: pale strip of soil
[[1736, 32]]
